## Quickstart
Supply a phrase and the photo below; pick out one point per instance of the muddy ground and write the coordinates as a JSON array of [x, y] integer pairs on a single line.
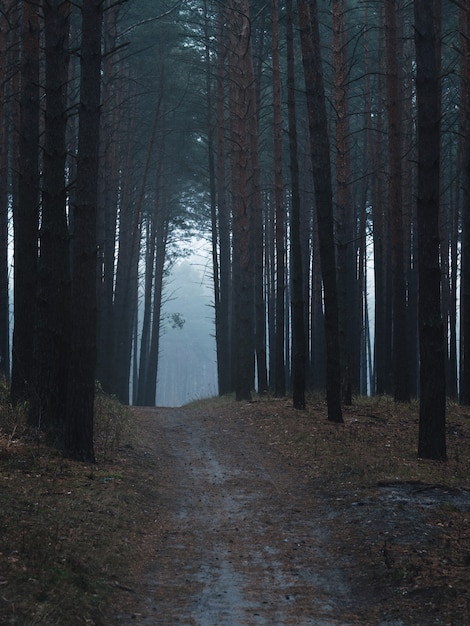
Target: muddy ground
[[243, 536]]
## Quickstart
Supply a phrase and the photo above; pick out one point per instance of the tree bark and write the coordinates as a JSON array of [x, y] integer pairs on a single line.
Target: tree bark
[[241, 110], [320, 154], [52, 330], [280, 213], [81, 384], [345, 233], [432, 406], [394, 111], [299, 340], [465, 285], [4, 151], [224, 355], [26, 211], [108, 200]]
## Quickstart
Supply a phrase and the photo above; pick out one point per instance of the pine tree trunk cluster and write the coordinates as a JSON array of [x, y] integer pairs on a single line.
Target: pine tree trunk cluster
[[323, 151]]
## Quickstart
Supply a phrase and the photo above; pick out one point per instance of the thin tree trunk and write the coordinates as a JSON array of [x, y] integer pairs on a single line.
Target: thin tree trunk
[[108, 203], [125, 296], [299, 342], [394, 110], [224, 355], [211, 151], [160, 263], [150, 245], [280, 216], [4, 143]]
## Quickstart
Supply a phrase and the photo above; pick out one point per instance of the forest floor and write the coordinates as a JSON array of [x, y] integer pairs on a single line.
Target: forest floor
[[240, 514]]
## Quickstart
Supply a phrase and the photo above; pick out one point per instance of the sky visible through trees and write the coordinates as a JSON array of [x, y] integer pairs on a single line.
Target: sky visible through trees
[[291, 137], [188, 368]]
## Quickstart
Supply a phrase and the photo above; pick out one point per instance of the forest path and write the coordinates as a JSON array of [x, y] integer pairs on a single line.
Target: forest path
[[245, 540]]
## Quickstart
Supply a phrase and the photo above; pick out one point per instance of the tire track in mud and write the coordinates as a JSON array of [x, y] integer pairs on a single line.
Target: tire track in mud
[[245, 545]]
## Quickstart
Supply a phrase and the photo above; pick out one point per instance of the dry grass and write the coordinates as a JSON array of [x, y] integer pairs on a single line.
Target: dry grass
[[377, 442], [68, 531]]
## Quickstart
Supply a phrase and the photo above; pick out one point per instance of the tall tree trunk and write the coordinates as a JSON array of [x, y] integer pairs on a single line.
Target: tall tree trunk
[[4, 278], [160, 264], [125, 294], [382, 275], [155, 265], [52, 348], [81, 383], [299, 341], [108, 201], [26, 211], [257, 239], [394, 110], [150, 245], [224, 354], [410, 248], [270, 270], [211, 154], [241, 109], [432, 406], [280, 214], [465, 285], [320, 152], [345, 235]]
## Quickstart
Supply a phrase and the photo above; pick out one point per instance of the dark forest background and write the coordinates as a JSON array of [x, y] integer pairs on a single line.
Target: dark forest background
[[320, 148]]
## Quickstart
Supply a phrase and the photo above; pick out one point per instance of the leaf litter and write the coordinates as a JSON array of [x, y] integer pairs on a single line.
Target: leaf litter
[[229, 513]]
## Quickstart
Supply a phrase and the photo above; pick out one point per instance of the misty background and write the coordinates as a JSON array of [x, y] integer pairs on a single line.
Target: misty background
[[187, 367]]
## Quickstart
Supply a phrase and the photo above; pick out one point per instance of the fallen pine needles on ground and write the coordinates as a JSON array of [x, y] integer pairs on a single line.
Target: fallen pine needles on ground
[[69, 532], [75, 538], [403, 521]]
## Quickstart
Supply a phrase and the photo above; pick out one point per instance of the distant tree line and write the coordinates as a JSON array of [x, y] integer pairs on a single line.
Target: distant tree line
[[322, 146]]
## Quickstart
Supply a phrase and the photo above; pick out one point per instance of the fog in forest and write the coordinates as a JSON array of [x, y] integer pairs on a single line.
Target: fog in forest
[[187, 365]]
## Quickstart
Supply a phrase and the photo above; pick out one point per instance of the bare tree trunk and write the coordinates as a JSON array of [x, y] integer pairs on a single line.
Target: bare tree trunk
[[4, 143], [108, 201], [345, 234], [465, 285], [432, 407], [53, 306], [320, 152], [299, 340], [81, 383], [149, 279], [160, 263], [394, 110], [224, 355], [125, 294], [26, 211], [280, 214], [241, 109]]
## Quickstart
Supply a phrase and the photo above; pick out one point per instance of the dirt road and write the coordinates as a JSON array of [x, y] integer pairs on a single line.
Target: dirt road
[[246, 540]]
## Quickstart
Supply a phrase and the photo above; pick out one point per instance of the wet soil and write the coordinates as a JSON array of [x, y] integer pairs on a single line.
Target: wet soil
[[243, 537]]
